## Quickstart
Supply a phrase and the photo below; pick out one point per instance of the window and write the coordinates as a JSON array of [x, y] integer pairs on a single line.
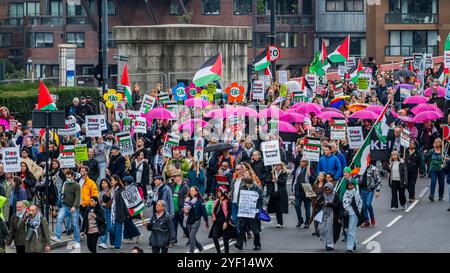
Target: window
[[40, 70], [242, 7], [40, 39], [32, 9], [413, 6], [75, 10], [5, 39], [16, 10], [111, 42], [357, 46], [175, 8], [111, 8], [55, 70], [307, 7], [406, 42], [344, 5], [85, 70], [56, 8], [75, 38], [284, 39], [210, 7], [283, 7]]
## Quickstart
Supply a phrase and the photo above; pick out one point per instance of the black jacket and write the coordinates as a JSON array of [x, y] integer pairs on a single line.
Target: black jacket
[[163, 231], [121, 209], [403, 174], [414, 162], [278, 201], [94, 170], [145, 172], [182, 192], [117, 165], [99, 217], [197, 211], [261, 171]]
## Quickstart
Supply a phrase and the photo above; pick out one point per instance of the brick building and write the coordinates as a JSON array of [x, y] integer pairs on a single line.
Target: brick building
[[31, 30]]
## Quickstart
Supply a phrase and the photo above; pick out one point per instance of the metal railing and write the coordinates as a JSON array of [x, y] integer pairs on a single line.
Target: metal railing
[[11, 21], [77, 20], [44, 20], [411, 18], [409, 50], [303, 20]]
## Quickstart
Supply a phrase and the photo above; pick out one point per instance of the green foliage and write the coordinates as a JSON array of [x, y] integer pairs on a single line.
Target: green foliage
[[21, 99]]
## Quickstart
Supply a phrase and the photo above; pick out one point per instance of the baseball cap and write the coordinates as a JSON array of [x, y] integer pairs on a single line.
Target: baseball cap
[[115, 147]]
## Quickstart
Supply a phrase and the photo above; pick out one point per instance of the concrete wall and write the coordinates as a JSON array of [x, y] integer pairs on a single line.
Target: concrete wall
[[181, 49]]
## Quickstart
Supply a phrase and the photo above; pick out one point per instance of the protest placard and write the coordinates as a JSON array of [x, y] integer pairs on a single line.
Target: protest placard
[[309, 192], [363, 83], [11, 159], [171, 141], [140, 125], [447, 59], [81, 153], [12, 124], [311, 150], [67, 156], [355, 137], [247, 204], [198, 149], [258, 90], [405, 138], [125, 143], [148, 102], [70, 128], [312, 80], [283, 76], [428, 60], [93, 126], [283, 90], [338, 129], [271, 152], [133, 200]]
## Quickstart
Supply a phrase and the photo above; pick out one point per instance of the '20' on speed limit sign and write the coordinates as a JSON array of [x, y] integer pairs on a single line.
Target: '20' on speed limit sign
[[274, 53]]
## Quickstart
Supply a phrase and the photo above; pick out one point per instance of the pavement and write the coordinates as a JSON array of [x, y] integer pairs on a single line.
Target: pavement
[[423, 228]]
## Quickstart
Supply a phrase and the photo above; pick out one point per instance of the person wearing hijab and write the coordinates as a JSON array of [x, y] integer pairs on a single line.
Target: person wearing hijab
[[352, 204], [330, 204]]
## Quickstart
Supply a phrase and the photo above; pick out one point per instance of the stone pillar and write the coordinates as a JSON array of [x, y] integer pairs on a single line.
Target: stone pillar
[[179, 50]]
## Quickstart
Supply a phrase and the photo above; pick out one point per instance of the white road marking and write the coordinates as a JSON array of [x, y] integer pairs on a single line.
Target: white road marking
[[412, 206], [394, 221], [423, 192], [372, 237]]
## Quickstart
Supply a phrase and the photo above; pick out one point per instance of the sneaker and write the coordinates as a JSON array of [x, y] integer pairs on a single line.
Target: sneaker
[[373, 222], [440, 199], [404, 207], [279, 226], [138, 238], [306, 226], [315, 234], [411, 200], [256, 248], [431, 198], [238, 246], [102, 246], [330, 248], [394, 208], [448, 209], [366, 224], [55, 239], [299, 225], [76, 246]]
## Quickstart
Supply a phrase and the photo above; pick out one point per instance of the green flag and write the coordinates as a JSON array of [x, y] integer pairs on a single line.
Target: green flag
[[447, 43]]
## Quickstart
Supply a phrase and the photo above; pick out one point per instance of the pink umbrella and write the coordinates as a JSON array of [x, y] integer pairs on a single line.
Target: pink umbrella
[[375, 108], [293, 117], [405, 118], [426, 107], [291, 110], [5, 123], [245, 111], [327, 109], [196, 102], [416, 100], [329, 115], [364, 114], [308, 107], [284, 127], [159, 113], [271, 112], [297, 104], [426, 116], [192, 124], [440, 92]]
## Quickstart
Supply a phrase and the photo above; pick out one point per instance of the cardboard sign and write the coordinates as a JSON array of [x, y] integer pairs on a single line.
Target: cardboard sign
[[198, 149], [283, 90], [12, 124], [355, 137], [126, 124], [211, 88], [271, 152], [321, 90], [247, 204], [351, 62], [363, 83], [428, 60], [283, 76], [11, 159], [93, 126], [309, 192], [312, 80], [70, 128], [405, 138], [266, 79], [67, 156], [148, 102], [311, 150], [81, 153], [133, 200], [140, 125], [125, 143], [172, 140], [338, 129], [258, 90], [417, 57]]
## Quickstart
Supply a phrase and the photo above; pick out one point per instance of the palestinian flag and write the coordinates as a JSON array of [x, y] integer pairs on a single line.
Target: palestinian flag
[[306, 87], [163, 97], [125, 82], [383, 123], [172, 139], [210, 71], [441, 74], [447, 43], [261, 60], [362, 157], [356, 71], [339, 53], [45, 100], [320, 63], [267, 72], [133, 200]]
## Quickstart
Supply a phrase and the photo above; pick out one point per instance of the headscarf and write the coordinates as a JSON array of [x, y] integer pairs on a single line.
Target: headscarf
[[33, 224], [329, 197]]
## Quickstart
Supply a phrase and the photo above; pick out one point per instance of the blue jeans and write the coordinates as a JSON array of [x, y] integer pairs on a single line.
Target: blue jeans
[[298, 209], [437, 176], [102, 174], [104, 238], [351, 231], [234, 215], [116, 234], [75, 219], [367, 197]]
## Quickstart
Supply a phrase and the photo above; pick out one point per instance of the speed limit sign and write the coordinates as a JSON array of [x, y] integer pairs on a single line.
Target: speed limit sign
[[274, 53]]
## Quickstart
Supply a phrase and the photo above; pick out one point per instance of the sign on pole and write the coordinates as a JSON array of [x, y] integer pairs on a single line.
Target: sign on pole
[[247, 204], [172, 140], [283, 76], [428, 60], [258, 90], [312, 80], [147, 104], [405, 138], [11, 159], [81, 153], [271, 152], [311, 151], [355, 137], [125, 143], [274, 53], [140, 125], [417, 57], [93, 126]]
